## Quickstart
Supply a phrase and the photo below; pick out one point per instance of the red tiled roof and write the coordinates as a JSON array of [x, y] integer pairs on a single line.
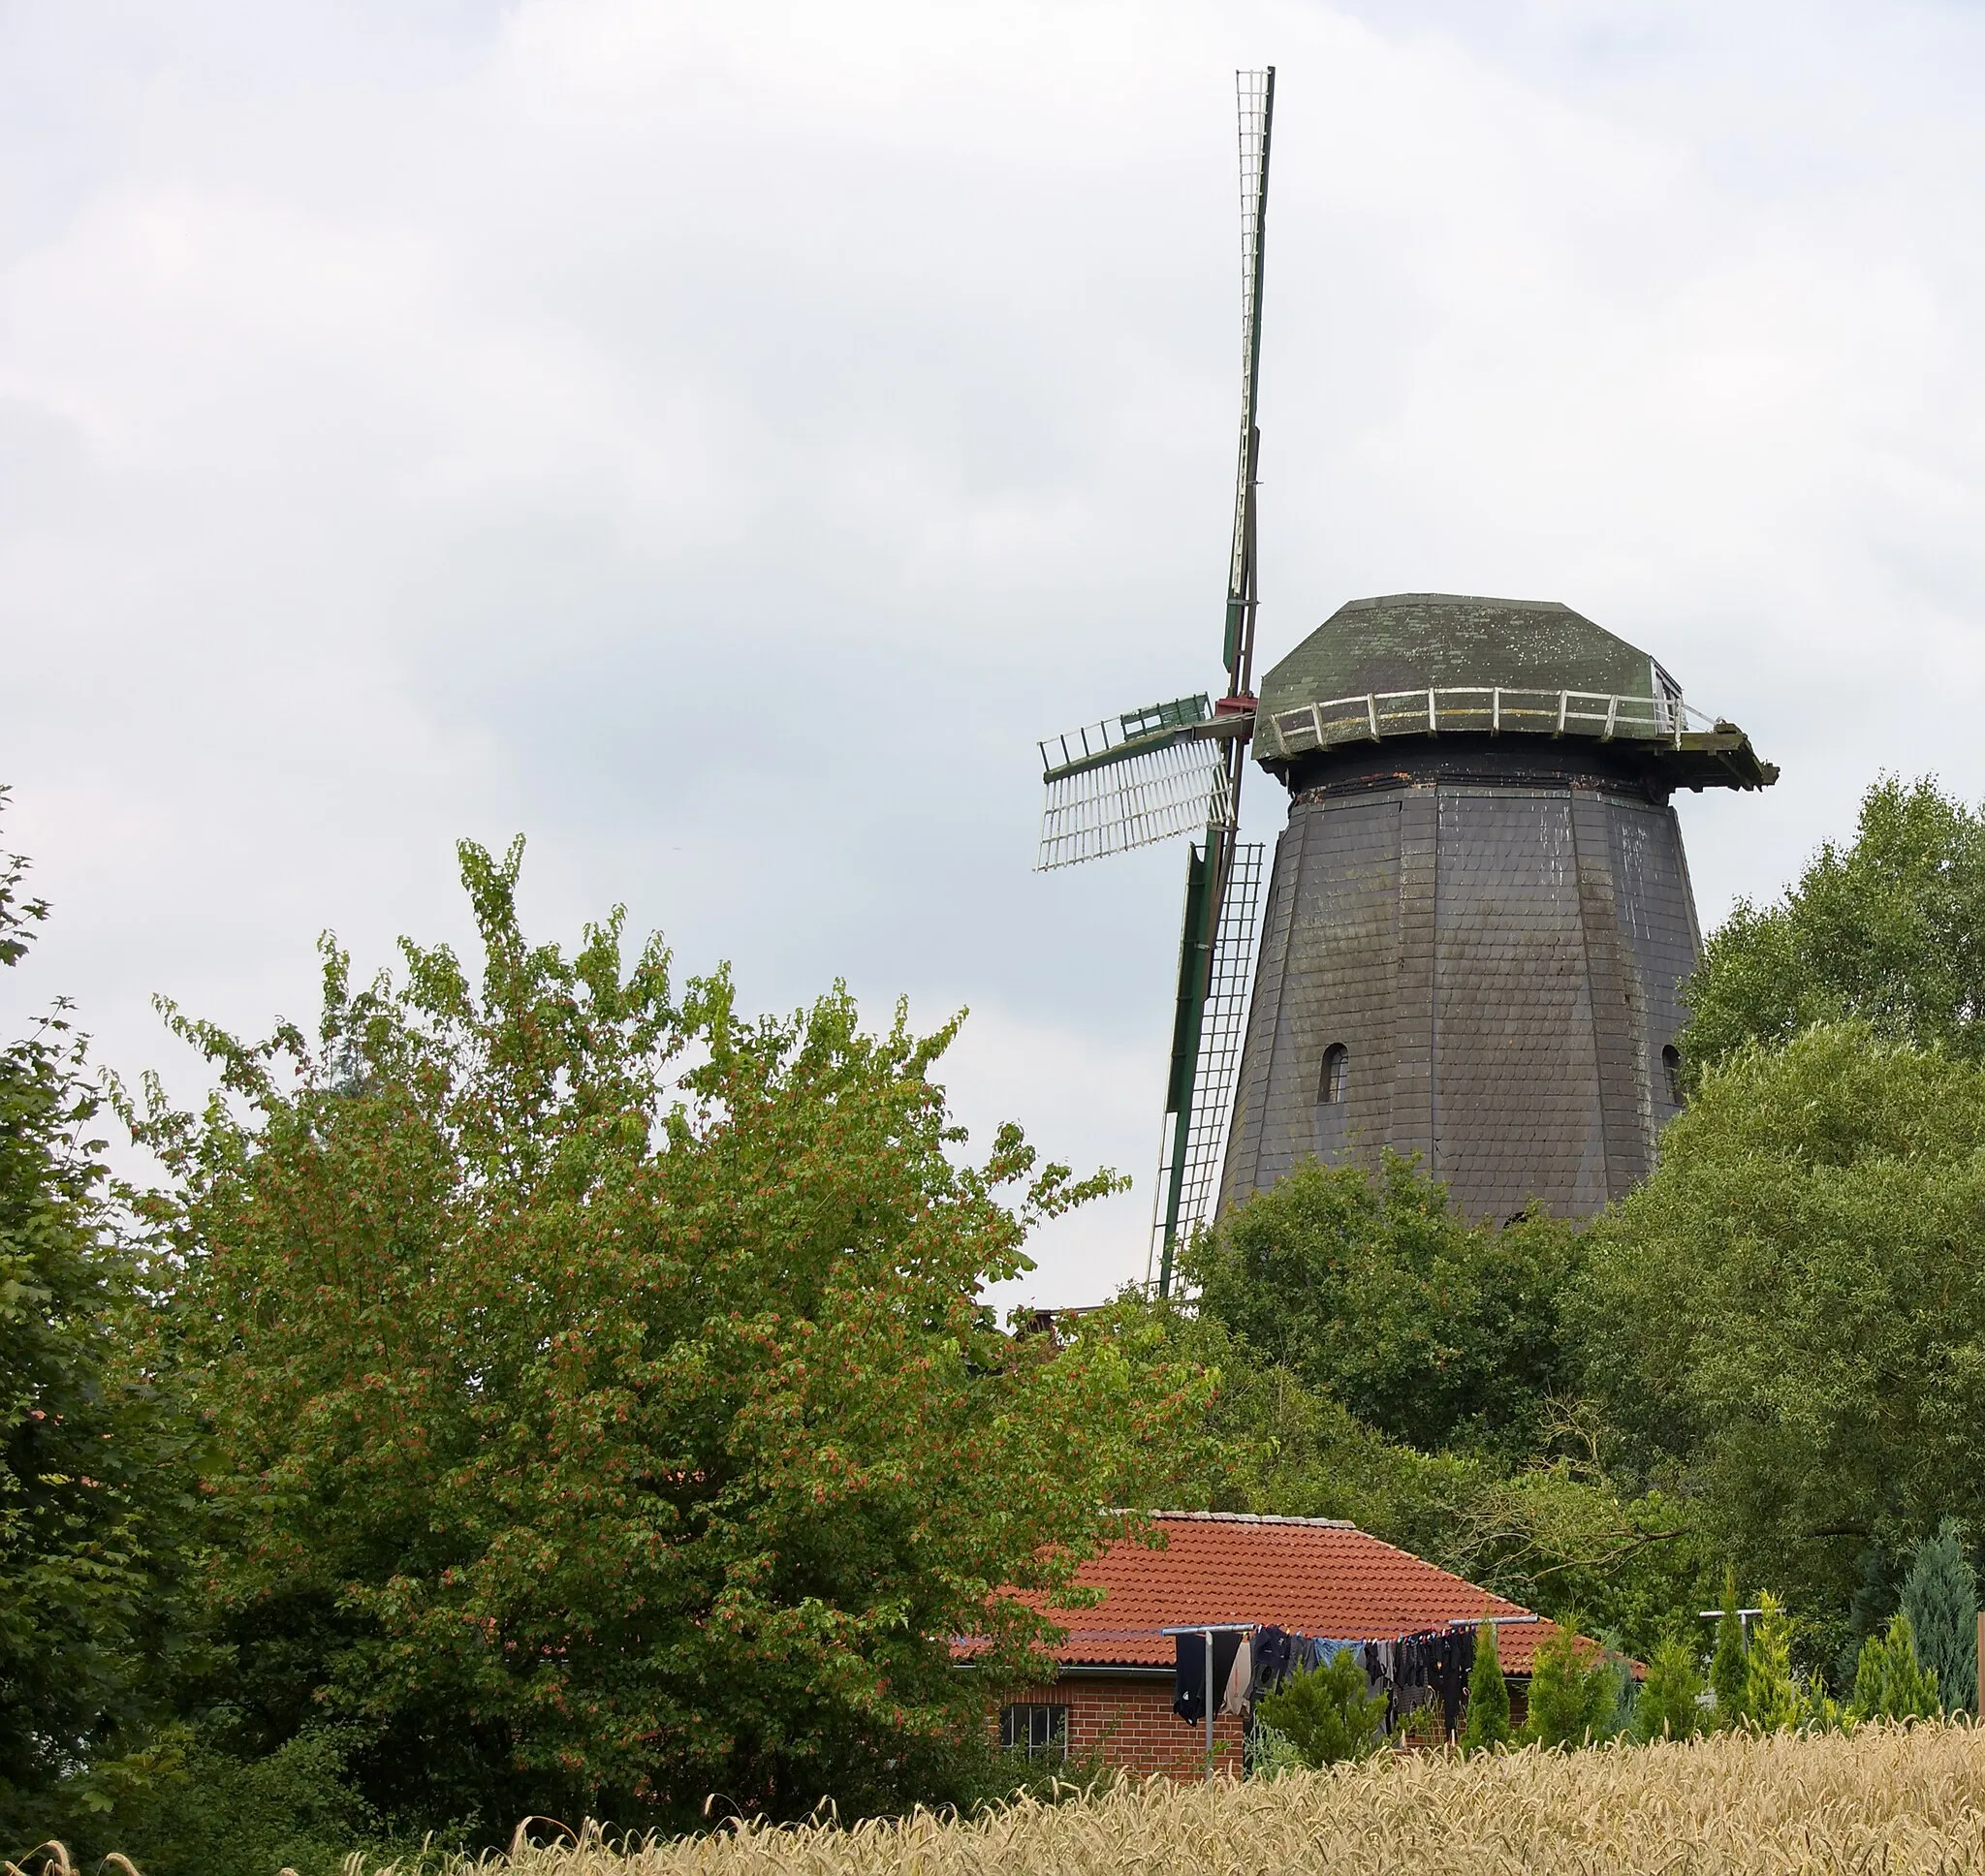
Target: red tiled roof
[[1311, 1575]]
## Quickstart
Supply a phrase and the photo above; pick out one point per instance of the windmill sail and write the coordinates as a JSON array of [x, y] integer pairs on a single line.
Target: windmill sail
[[1206, 1057], [1255, 94], [1148, 775], [1196, 1110], [1173, 769]]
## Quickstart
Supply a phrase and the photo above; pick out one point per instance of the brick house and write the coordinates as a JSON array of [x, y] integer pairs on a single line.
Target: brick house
[[1111, 1697]]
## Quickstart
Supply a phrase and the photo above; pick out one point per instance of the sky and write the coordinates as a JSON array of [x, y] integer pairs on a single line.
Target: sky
[[717, 442]]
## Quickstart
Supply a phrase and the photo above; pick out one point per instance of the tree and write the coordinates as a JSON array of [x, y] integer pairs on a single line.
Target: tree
[[94, 1472], [604, 1412], [1558, 1535], [1326, 1714], [1572, 1691], [1772, 1695], [1730, 1666], [1780, 1319], [1669, 1706], [1941, 1596], [1889, 929], [1890, 1683], [1431, 1330], [1486, 1725]]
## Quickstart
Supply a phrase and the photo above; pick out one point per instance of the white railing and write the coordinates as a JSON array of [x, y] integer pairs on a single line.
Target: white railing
[[1499, 709]]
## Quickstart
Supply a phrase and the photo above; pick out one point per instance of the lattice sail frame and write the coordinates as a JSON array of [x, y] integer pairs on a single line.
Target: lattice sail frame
[[1252, 92], [1153, 796], [1222, 1029]]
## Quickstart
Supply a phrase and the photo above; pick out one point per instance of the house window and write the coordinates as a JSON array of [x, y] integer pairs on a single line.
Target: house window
[[1671, 1063], [1337, 1073], [1039, 1732]]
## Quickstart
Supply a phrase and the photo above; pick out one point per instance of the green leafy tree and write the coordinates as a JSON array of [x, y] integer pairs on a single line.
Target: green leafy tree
[[604, 1411], [1573, 1691], [1941, 1597], [95, 1471], [1427, 1328], [1889, 929], [1556, 1535], [1782, 1321], [1486, 1725], [1326, 1714], [1772, 1697], [1890, 1683], [1669, 1706], [1730, 1664]]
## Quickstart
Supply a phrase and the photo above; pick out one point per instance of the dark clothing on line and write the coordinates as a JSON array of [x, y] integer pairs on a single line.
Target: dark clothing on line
[[1188, 1678]]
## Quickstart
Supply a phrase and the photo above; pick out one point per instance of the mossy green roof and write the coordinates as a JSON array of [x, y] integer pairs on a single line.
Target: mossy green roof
[[1410, 641]]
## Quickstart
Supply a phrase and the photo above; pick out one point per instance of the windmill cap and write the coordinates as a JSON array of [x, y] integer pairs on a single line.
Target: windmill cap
[[1409, 641], [1420, 664]]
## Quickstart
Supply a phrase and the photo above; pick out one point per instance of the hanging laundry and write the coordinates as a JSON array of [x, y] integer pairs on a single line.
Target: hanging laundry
[[1240, 1692], [1188, 1675], [1454, 1662], [1275, 1651]]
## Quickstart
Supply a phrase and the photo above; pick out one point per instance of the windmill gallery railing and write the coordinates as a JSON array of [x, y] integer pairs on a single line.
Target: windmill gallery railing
[[1474, 708]]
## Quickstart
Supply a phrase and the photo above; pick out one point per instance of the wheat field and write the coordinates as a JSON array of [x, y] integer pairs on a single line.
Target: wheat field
[[1882, 1799]]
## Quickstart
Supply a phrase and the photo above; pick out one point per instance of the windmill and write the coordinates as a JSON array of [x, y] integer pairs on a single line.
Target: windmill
[[1175, 769]]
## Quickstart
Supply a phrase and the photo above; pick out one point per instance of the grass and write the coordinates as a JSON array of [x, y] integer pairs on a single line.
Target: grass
[[1881, 1799]]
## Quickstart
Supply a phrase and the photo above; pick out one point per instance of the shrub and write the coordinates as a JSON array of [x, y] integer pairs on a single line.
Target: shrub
[[1669, 1706], [1488, 1723], [1941, 1595], [1729, 1670], [1772, 1700], [1572, 1691], [1890, 1683], [1326, 1713]]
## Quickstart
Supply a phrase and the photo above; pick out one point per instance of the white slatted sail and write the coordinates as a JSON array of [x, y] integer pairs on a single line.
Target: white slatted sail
[[1155, 794]]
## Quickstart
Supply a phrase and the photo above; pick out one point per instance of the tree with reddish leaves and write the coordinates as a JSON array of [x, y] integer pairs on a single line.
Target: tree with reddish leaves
[[605, 1416]]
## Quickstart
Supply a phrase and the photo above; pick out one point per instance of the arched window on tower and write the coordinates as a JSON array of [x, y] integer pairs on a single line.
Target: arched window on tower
[[1671, 1063], [1337, 1073]]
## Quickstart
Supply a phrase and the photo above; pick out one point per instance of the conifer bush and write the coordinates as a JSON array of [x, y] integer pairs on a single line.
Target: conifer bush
[[1730, 1668], [1941, 1595], [1772, 1695], [1670, 1707], [1488, 1723], [1889, 1682], [1572, 1691]]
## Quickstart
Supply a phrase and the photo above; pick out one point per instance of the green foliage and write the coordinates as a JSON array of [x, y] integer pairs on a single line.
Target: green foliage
[[1486, 1725], [1784, 1320], [603, 1411], [1271, 1754], [1669, 1703], [1429, 1329], [1556, 1534], [197, 1809], [1941, 1597], [1890, 1685], [1573, 1692], [94, 1477], [1772, 1697], [1325, 1714], [1730, 1664], [1889, 929]]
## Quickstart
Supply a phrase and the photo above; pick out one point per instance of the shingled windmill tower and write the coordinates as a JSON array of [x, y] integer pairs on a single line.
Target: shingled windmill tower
[[1479, 916]]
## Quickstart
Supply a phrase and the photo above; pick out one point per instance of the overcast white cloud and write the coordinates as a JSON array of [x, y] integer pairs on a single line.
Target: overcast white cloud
[[718, 441]]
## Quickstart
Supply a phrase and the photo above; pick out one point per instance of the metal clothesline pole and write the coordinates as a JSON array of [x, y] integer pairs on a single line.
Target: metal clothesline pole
[[1208, 1706], [1743, 1616], [1209, 1630]]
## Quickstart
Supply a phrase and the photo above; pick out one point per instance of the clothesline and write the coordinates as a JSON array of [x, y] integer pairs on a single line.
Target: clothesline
[[1229, 1666]]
